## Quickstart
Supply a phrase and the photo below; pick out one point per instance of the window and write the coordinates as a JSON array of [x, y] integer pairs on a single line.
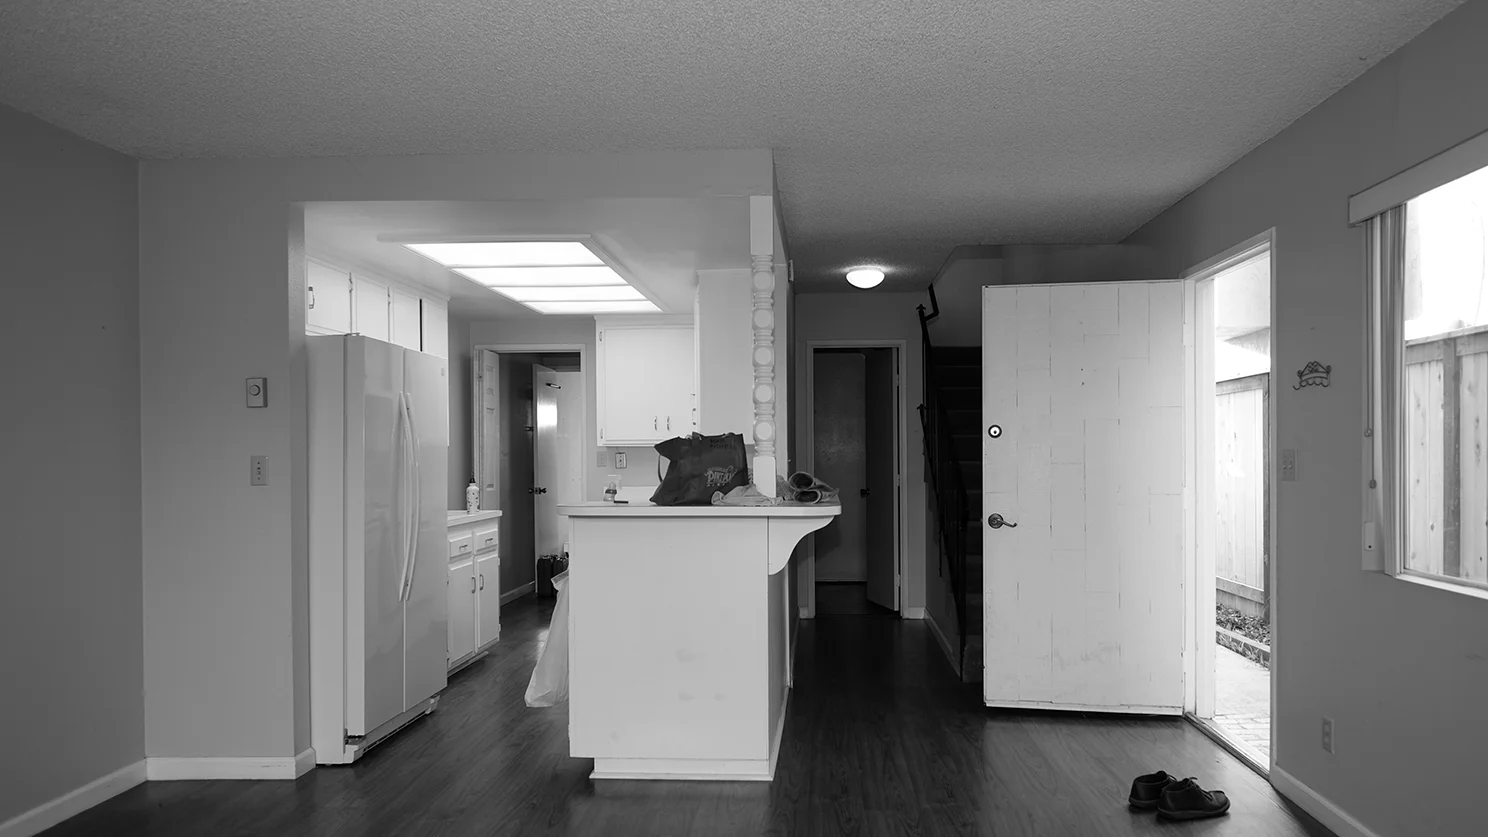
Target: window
[[1429, 304]]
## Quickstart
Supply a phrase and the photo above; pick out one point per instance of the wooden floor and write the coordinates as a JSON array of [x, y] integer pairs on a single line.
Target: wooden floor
[[880, 740]]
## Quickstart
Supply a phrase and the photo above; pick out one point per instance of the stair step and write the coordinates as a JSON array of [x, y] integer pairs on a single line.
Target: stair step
[[961, 397], [957, 355]]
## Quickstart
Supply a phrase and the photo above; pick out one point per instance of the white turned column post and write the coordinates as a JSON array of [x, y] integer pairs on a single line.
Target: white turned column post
[[762, 317]]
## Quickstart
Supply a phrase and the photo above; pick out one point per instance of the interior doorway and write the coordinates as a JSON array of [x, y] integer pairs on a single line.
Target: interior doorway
[[528, 450], [1233, 560], [855, 446]]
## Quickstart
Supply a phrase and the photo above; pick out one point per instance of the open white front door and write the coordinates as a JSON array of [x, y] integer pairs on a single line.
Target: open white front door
[[1083, 441]]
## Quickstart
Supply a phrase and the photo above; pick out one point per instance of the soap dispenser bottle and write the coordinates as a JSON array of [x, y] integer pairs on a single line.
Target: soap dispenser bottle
[[472, 496]]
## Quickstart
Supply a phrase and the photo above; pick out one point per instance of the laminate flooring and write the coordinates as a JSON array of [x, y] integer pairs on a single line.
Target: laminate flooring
[[880, 740]]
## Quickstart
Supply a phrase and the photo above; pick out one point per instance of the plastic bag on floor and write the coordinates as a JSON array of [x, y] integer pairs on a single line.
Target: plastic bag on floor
[[549, 683]]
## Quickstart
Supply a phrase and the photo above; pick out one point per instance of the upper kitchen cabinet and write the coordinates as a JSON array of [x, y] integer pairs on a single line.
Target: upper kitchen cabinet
[[340, 301], [370, 299], [435, 319], [647, 381], [327, 299], [405, 320]]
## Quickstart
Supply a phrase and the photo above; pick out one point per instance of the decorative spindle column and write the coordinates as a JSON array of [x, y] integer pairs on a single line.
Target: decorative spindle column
[[762, 280]]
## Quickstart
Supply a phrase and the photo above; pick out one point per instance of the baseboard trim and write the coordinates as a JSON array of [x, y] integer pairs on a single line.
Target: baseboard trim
[[701, 770], [1050, 706], [912, 613], [945, 644], [1339, 821], [74, 802], [171, 769], [512, 595]]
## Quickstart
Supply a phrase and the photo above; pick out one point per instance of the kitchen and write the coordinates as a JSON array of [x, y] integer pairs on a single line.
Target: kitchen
[[487, 282]]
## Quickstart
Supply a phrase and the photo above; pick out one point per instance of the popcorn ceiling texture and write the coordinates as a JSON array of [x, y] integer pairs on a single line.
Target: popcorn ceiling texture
[[901, 129]]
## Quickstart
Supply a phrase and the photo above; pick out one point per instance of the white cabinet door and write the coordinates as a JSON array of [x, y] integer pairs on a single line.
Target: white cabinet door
[[405, 320], [488, 598], [645, 384], [435, 319], [676, 375], [369, 307], [327, 300], [462, 593]]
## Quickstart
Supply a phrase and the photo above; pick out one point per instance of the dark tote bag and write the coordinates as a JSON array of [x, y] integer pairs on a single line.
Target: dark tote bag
[[699, 465]]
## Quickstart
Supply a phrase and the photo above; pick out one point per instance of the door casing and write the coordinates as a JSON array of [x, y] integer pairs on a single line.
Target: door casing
[[806, 578]]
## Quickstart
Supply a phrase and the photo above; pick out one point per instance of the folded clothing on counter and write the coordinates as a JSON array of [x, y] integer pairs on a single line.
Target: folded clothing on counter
[[744, 495], [802, 487]]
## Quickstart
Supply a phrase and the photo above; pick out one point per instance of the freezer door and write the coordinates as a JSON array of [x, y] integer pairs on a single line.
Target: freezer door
[[379, 502], [426, 610]]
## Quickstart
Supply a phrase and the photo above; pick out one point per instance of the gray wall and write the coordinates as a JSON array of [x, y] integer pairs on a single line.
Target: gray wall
[[69, 332], [1402, 668]]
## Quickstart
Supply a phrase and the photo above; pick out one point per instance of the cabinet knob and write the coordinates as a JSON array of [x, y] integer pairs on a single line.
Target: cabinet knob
[[482, 581], [472, 584]]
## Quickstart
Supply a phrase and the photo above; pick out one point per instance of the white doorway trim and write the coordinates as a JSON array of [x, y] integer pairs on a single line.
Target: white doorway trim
[[1199, 650], [532, 348], [807, 577]]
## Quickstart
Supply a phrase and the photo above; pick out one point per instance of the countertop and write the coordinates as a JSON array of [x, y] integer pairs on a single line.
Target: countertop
[[460, 518], [601, 509]]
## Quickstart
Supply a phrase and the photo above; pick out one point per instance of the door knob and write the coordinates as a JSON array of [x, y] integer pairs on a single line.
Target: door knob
[[862, 492], [996, 521]]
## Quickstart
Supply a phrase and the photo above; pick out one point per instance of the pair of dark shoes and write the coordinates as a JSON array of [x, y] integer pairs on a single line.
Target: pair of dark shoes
[[1176, 799]]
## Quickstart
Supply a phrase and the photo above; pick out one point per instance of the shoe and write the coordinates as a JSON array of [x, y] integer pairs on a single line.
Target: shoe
[[1185, 800], [1146, 791]]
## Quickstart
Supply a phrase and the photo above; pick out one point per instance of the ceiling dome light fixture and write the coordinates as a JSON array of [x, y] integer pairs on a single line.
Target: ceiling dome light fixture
[[865, 277]]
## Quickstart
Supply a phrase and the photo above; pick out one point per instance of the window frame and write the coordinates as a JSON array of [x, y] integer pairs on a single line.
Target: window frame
[[1385, 353]]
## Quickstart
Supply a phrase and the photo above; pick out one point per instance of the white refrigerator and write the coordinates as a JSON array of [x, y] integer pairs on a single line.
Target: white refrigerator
[[378, 437]]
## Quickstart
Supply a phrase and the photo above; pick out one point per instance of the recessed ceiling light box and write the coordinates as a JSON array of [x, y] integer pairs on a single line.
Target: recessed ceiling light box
[[549, 277]]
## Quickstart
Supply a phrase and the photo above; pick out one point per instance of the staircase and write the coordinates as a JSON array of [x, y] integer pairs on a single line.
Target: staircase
[[950, 419], [958, 371]]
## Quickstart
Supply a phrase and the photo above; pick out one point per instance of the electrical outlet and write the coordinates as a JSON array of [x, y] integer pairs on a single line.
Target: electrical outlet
[[1289, 465], [258, 470], [1328, 734], [619, 459], [600, 459]]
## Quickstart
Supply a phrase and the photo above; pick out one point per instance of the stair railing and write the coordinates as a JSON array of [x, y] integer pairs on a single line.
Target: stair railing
[[947, 484]]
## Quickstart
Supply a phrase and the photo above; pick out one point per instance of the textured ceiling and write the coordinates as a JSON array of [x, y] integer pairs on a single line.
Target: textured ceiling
[[901, 129]]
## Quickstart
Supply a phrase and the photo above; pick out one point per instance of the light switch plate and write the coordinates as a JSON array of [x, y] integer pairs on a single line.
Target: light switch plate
[[258, 392], [258, 470], [601, 459], [1289, 465]]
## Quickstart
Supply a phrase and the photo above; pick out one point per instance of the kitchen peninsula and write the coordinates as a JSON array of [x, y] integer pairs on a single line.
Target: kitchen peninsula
[[680, 628]]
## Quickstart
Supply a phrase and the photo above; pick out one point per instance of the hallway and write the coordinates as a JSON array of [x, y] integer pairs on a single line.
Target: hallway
[[880, 739]]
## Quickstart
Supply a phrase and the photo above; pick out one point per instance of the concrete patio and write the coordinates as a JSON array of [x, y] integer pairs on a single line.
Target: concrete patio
[[1242, 701]]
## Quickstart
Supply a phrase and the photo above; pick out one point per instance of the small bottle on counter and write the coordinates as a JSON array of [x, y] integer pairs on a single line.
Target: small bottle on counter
[[612, 488], [472, 496]]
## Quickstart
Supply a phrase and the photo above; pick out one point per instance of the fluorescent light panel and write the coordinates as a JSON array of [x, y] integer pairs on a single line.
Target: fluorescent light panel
[[507, 253], [541, 277], [607, 293], [625, 307]]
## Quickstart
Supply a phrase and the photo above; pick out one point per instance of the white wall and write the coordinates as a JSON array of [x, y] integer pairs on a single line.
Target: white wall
[[1403, 669], [223, 560], [70, 604], [873, 315]]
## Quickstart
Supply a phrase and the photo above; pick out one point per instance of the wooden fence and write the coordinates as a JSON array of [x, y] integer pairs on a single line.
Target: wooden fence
[[1241, 446], [1446, 457]]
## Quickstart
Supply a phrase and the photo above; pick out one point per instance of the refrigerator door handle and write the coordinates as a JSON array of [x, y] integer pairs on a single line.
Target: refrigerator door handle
[[418, 500], [407, 493]]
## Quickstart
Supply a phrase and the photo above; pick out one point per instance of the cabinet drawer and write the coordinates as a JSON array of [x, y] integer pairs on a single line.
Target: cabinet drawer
[[486, 539], [461, 543]]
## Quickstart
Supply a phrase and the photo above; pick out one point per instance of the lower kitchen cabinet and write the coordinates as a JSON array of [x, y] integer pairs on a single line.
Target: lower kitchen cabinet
[[474, 585]]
